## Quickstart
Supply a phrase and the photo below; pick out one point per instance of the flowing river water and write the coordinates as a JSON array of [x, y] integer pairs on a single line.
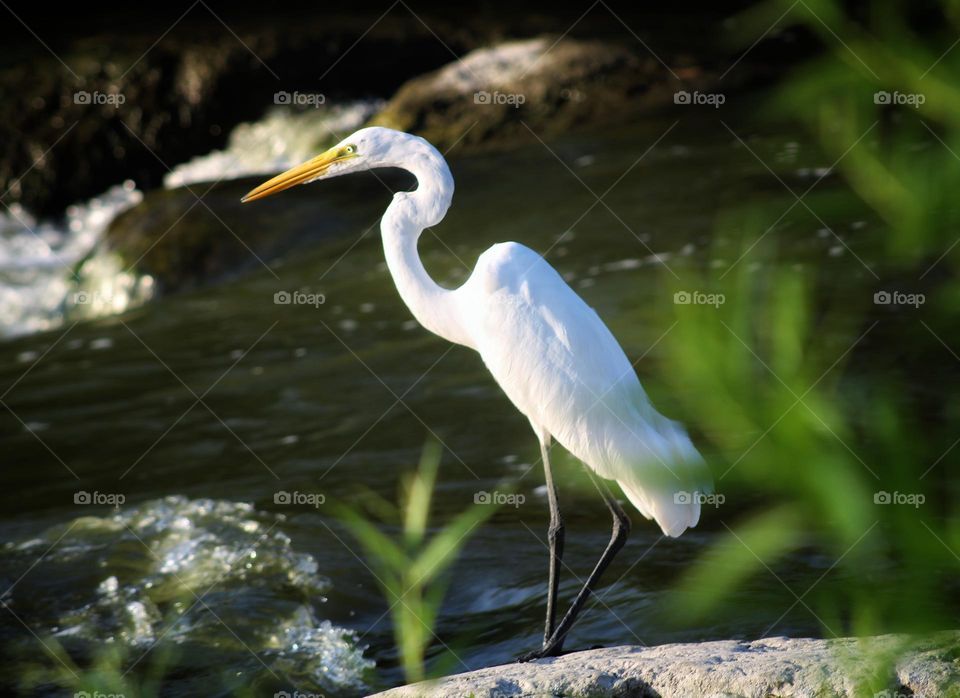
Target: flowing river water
[[198, 409]]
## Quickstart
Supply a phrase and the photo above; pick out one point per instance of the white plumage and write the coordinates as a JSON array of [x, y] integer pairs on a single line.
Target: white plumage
[[563, 369]]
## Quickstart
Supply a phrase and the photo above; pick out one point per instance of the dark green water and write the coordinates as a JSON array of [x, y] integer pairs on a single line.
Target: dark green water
[[328, 399]]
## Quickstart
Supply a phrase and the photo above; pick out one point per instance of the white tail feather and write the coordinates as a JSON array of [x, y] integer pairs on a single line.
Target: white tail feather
[[667, 486], [673, 518]]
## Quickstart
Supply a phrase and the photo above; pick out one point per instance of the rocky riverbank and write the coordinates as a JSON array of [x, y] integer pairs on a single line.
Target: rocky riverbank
[[126, 109], [775, 666], [98, 111]]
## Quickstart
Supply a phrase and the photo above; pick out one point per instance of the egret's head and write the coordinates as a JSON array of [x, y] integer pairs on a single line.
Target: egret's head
[[365, 149]]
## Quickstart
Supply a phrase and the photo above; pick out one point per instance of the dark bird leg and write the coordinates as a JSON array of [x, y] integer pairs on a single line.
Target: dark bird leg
[[555, 539], [621, 529]]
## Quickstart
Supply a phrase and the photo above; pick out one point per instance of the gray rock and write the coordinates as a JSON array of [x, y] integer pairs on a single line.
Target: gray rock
[[498, 94], [888, 666]]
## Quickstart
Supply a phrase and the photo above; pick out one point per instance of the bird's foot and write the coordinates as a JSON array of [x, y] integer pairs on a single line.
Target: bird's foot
[[530, 656], [549, 650]]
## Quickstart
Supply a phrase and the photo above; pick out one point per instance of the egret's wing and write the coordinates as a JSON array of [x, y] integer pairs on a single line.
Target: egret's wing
[[561, 366]]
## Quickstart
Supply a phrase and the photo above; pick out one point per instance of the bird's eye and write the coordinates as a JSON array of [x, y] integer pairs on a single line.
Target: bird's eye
[[350, 149]]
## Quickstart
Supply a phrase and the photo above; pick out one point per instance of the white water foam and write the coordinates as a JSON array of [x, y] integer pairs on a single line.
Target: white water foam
[[278, 141], [155, 560], [39, 261]]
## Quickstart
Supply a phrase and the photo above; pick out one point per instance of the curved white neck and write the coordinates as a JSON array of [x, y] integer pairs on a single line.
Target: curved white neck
[[408, 215]]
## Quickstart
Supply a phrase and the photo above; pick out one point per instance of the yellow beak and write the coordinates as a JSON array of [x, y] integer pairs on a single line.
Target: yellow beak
[[297, 175]]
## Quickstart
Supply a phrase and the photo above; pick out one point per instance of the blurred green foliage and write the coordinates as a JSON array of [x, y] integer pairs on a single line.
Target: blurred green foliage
[[825, 410], [410, 569], [108, 671]]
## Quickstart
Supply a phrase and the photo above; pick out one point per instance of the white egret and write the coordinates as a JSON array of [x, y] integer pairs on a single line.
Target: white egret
[[546, 348]]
